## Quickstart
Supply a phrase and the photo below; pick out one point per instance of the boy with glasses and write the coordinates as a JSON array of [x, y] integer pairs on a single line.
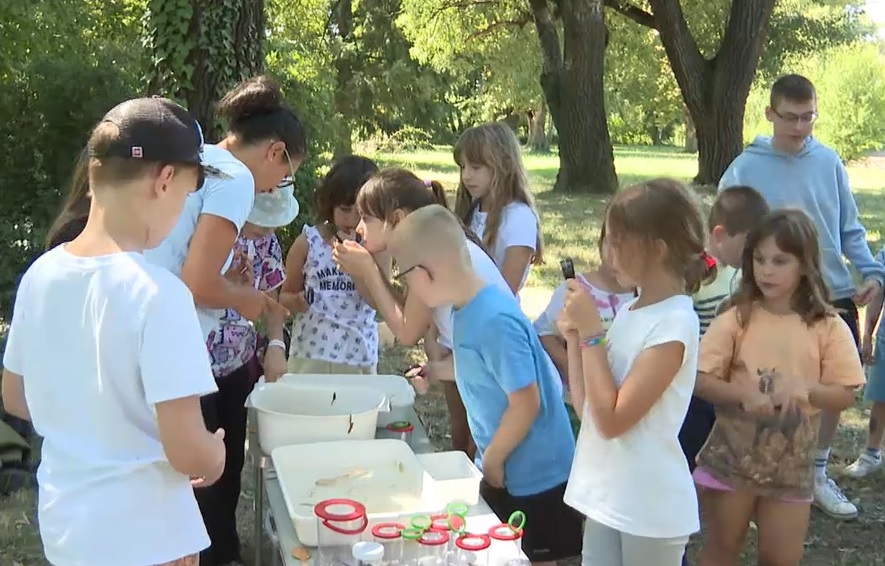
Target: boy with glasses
[[791, 169]]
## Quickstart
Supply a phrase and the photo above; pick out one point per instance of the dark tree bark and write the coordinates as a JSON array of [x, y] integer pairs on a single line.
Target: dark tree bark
[[340, 28], [572, 81], [227, 47], [714, 90]]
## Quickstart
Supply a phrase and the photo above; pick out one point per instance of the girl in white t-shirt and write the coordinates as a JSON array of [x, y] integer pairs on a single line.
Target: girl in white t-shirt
[[261, 151], [605, 289], [634, 382], [335, 330], [494, 200], [387, 198], [118, 402]]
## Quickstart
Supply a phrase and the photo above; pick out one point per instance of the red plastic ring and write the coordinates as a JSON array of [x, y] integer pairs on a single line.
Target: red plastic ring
[[321, 510], [381, 530], [503, 531], [473, 542], [434, 538]]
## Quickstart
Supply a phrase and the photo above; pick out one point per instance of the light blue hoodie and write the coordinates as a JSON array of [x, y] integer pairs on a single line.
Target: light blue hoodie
[[816, 182]]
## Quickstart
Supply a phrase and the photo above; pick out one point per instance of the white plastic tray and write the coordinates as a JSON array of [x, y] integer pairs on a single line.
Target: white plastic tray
[[393, 483], [396, 388], [454, 476]]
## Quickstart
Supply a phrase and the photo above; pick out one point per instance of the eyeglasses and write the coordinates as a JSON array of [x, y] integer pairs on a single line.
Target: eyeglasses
[[399, 276], [290, 180], [790, 118]]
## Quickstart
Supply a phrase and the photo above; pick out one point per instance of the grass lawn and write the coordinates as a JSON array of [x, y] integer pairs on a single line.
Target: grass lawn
[[571, 226]]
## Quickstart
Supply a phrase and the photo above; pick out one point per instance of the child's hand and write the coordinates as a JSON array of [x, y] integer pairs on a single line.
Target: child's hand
[[867, 291], [274, 313], [790, 394], [218, 467], [240, 270], [581, 308], [419, 378], [353, 258], [866, 350], [493, 472], [757, 403], [566, 326]]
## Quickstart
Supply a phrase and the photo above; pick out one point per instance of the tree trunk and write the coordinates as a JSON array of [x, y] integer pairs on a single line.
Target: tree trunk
[[539, 141], [691, 132], [340, 27], [222, 45], [715, 91], [573, 89]]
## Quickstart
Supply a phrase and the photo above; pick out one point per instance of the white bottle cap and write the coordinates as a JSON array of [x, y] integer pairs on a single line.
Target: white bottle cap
[[368, 551]]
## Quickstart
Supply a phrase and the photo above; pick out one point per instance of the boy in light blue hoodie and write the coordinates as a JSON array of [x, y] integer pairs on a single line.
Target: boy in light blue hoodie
[[791, 169]]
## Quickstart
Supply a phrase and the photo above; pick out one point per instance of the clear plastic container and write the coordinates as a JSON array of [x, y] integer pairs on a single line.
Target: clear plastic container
[[433, 546], [471, 550], [340, 525], [402, 430], [412, 550], [368, 553], [506, 543], [452, 524], [391, 536]]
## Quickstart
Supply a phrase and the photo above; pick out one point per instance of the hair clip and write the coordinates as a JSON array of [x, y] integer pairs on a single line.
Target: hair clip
[[708, 259]]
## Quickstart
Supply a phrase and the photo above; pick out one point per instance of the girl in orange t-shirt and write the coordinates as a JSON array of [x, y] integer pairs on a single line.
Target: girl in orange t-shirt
[[769, 364]]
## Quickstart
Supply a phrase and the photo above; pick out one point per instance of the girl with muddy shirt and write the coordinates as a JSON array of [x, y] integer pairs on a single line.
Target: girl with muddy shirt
[[770, 363]]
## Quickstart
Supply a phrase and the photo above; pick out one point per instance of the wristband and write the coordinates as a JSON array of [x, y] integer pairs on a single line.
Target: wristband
[[278, 343], [594, 340]]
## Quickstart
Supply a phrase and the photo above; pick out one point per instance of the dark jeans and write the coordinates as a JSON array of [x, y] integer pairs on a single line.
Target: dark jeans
[[218, 502]]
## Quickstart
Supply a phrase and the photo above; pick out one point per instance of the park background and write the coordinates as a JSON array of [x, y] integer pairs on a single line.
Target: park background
[[602, 93]]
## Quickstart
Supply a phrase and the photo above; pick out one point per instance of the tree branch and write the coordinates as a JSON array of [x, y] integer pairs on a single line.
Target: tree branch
[[632, 12], [520, 23]]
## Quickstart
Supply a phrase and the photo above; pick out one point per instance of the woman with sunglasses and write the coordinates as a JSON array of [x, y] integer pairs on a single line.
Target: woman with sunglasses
[[263, 147]]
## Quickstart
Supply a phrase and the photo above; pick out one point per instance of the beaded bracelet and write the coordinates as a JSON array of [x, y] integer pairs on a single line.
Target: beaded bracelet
[[594, 340]]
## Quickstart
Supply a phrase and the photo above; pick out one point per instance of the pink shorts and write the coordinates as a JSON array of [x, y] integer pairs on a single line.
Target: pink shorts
[[704, 479]]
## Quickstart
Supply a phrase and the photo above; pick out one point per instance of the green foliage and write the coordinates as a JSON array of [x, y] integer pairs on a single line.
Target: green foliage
[[45, 117], [850, 84]]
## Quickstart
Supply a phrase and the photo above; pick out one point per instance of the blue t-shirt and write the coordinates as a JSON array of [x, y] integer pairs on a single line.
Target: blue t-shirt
[[498, 352]]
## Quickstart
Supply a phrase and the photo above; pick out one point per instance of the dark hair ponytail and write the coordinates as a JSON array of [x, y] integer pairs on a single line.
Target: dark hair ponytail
[[395, 189], [256, 110]]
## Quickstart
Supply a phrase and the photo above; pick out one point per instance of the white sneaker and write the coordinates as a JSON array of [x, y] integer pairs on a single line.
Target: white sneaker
[[829, 499], [863, 466]]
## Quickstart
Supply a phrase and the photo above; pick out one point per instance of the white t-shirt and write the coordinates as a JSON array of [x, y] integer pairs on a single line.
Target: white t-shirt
[[99, 341], [486, 270], [519, 227], [230, 197], [639, 483]]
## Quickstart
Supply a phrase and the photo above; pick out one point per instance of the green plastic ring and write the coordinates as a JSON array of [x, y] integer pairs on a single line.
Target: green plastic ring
[[412, 534], [458, 508], [460, 529], [400, 424], [422, 522], [516, 522]]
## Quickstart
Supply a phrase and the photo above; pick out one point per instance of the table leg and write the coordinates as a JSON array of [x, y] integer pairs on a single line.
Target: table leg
[[259, 508]]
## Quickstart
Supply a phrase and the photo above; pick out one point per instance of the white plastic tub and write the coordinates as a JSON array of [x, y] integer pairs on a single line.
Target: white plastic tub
[[383, 475], [290, 413], [400, 395], [454, 476]]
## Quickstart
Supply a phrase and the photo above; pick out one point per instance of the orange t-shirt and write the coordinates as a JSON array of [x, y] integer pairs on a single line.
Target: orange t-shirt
[[773, 455]]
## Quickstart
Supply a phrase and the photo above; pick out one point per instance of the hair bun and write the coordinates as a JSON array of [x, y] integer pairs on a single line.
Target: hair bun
[[252, 97]]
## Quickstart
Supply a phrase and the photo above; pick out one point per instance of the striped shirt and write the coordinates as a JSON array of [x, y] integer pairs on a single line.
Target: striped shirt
[[710, 296]]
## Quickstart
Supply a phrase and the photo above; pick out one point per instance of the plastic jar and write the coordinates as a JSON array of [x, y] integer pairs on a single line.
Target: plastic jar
[[367, 553], [471, 550], [506, 543], [433, 546], [390, 535], [401, 430], [411, 548], [340, 525]]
